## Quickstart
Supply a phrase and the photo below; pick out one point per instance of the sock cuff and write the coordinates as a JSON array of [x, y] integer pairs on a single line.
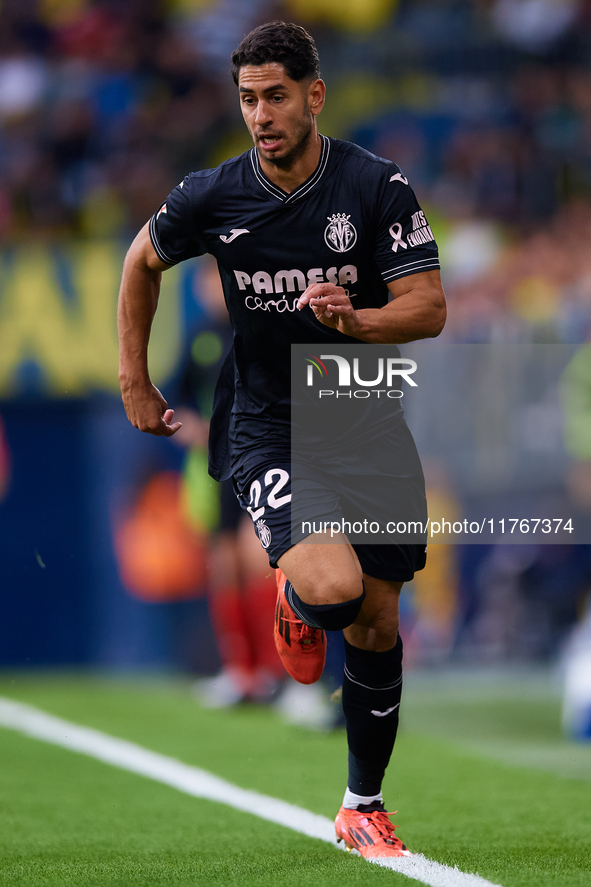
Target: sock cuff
[[353, 800], [377, 671]]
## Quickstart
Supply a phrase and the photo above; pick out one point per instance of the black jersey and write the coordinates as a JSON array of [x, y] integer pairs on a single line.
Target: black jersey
[[355, 222]]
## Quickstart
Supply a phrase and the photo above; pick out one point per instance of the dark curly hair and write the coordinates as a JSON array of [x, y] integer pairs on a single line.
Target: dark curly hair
[[282, 43]]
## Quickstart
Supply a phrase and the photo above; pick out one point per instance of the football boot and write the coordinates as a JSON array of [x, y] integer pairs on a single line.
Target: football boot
[[302, 649], [369, 831]]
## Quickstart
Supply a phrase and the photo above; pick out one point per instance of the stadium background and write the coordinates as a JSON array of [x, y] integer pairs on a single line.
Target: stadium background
[[486, 106]]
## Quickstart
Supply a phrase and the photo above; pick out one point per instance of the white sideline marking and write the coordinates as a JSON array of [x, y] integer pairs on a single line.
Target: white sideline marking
[[201, 784]]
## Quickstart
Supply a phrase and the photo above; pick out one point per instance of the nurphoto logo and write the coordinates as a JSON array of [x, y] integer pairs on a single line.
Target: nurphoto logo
[[347, 374]]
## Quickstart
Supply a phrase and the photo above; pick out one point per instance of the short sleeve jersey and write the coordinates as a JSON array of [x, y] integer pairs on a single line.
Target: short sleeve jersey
[[355, 222]]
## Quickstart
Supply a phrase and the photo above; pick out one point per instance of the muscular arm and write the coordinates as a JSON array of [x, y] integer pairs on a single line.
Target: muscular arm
[[145, 406], [417, 310]]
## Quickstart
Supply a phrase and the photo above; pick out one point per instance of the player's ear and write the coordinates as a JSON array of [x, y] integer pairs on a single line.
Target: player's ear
[[316, 96]]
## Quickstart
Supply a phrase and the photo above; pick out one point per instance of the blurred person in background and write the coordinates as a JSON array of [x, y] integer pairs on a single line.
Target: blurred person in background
[[268, 209], [241, 585]]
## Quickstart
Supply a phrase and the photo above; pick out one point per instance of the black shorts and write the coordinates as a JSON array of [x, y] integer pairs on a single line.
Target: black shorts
[[264, 490]]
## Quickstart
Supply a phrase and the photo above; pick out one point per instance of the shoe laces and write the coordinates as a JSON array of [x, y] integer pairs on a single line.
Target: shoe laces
[[308, 636], [385, 828]]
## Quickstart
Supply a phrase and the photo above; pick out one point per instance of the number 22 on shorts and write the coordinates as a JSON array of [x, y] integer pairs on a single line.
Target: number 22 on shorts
[[276, 476]]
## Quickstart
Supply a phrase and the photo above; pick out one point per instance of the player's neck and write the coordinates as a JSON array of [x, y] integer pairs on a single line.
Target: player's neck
[[291, 177]]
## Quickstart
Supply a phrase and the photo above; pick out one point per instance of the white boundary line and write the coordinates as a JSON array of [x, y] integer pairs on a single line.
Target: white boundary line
[[201, 784]]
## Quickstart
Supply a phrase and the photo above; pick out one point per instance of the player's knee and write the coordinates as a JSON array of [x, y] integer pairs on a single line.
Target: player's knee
[[332, 616], [332, 589]]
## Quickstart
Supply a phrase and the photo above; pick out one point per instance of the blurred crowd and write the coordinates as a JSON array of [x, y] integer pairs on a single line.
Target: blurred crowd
[[103, 106], [530, 288], [485, 104]]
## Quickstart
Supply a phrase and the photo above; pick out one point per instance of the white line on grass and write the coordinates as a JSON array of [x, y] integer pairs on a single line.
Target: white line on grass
[[201, 784]]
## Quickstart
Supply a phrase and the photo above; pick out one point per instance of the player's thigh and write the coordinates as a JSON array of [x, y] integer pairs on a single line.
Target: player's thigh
[[321, 572]]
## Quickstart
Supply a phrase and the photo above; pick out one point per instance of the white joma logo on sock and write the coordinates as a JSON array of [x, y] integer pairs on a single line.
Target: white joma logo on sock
[[382, 714]]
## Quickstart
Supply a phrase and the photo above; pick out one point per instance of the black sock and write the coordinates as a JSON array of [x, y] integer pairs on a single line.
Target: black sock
[[372, 687]]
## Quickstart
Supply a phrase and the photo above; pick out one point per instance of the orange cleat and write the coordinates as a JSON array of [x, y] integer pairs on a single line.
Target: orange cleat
[[369, 831], [302, 649]]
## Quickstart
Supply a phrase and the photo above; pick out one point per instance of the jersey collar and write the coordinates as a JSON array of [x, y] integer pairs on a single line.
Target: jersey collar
[[303, 189]]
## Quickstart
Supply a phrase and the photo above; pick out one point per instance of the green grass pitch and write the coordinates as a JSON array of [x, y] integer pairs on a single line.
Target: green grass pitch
[[481, 776]]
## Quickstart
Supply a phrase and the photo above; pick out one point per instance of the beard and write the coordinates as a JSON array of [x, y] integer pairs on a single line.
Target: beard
[[301, 136]]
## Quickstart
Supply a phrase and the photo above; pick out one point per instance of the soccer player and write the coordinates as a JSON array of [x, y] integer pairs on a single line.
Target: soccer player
[[317, 241]]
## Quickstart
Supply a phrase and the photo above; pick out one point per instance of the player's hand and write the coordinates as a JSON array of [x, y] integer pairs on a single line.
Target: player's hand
[[147, 410], [332, 307]]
